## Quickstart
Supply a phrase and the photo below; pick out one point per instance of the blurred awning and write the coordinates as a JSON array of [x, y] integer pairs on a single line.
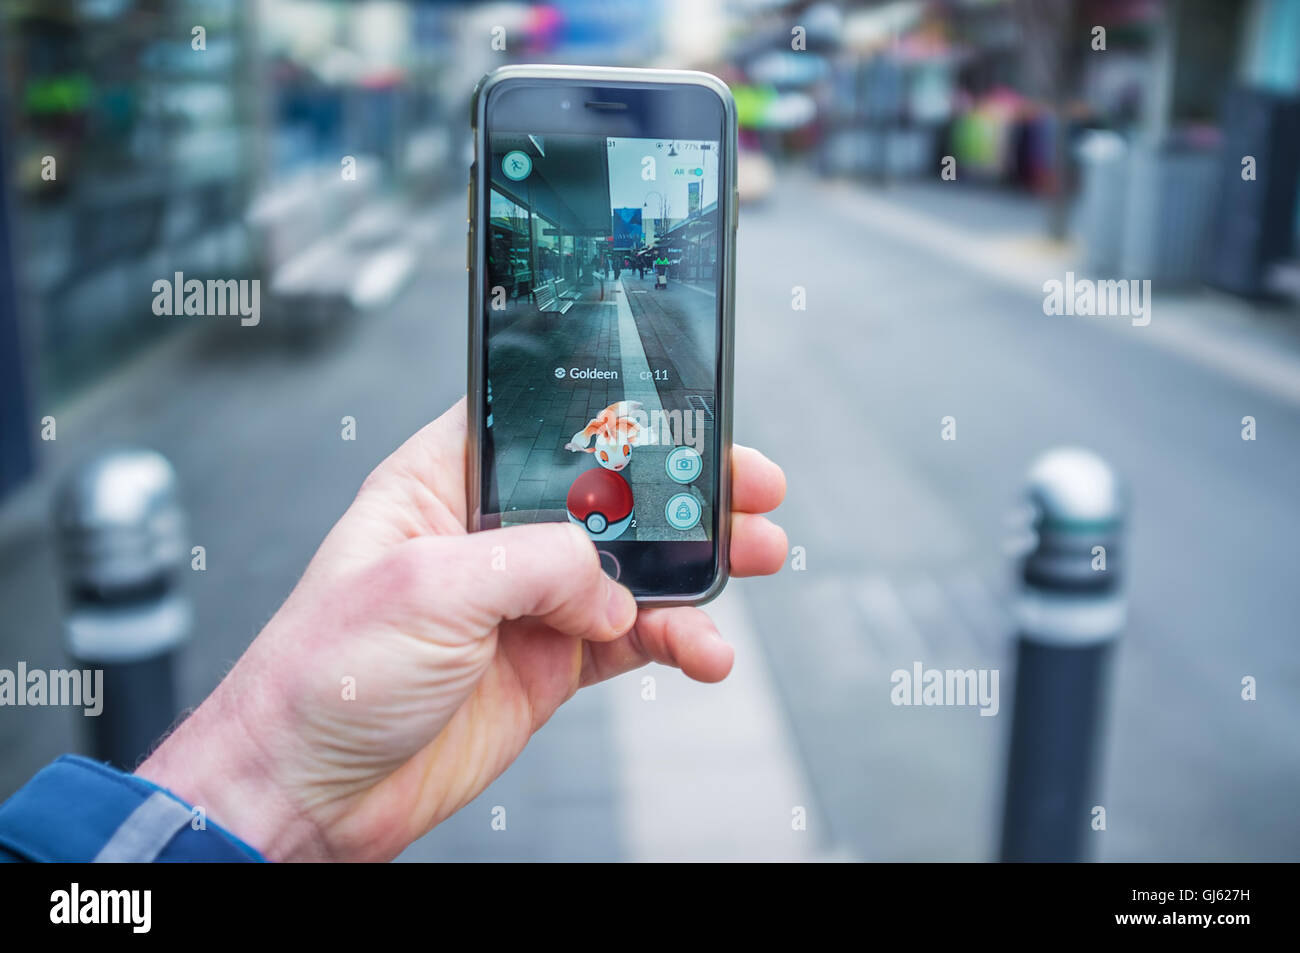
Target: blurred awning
[[871, 28], [761, 107]]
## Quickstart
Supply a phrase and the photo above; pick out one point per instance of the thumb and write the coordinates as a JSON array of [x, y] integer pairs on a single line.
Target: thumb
[[548, 571]]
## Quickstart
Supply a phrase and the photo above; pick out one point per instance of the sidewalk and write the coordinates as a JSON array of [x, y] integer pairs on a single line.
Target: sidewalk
[[1253, 344], [537, 405]]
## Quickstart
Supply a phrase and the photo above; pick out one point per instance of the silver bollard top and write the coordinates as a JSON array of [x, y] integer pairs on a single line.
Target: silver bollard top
[[119, 522], [1076, 487], [1081, 505]]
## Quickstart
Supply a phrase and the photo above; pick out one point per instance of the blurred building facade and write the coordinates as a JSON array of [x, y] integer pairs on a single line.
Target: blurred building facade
[[205, 137]]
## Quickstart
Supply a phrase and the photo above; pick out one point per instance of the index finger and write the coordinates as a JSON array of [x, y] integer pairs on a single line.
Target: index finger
[[757, 484]]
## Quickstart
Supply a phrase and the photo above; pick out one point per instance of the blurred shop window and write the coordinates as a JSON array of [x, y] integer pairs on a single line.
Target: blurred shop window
[[569, 265], [509, 256], [546, 241], [153, 168]]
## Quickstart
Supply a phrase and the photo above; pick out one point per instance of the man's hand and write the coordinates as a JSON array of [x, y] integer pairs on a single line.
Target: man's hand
[[413, 661]]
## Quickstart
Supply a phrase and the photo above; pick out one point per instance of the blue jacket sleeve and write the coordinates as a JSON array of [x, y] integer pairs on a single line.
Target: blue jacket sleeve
[[77, 809]]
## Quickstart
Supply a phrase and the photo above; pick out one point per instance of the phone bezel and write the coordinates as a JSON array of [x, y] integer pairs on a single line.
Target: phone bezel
[[644, 558]]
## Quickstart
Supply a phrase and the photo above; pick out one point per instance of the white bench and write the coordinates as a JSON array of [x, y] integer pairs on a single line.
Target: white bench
[[546, 299], [563, 291]]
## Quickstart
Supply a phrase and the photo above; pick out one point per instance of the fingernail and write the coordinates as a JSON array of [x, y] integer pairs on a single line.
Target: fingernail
[[620, 607]]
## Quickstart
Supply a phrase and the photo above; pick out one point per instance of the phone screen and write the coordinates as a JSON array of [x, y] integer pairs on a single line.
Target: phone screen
[[601, 304]]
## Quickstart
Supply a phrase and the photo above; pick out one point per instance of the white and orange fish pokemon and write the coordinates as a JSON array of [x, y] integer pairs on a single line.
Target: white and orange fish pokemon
[[615, 432]]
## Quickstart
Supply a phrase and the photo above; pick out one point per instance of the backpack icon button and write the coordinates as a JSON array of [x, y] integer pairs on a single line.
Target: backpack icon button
[[683, 511]]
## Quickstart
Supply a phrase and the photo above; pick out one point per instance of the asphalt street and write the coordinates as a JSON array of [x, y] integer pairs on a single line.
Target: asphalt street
[[901, 535], [904, 535]]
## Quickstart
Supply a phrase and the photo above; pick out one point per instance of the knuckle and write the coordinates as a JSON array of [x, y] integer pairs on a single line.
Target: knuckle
[[411, 570], [399, 572]]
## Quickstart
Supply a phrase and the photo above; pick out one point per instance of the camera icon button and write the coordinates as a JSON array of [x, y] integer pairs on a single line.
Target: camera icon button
[[683, 465]]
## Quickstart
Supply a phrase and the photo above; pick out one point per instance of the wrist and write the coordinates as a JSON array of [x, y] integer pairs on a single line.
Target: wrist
[[216, 763]]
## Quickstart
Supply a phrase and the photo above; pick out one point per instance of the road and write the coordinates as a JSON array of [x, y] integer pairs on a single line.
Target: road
[[902, 535]]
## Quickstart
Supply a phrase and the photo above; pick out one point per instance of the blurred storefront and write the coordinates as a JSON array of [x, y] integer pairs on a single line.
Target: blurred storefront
[[282, 141], [550, 223], [143, 138], [692, 245], [1022, 96], [130, 158]]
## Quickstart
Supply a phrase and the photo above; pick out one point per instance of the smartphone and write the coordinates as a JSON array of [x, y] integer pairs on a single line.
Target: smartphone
[[601, 252]]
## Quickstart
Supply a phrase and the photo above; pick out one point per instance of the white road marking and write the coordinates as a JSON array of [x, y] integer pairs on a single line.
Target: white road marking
[[638, 382], [710, 772], [646, 472], [840, 634], [890, 624], [948, 633], [991, 622]]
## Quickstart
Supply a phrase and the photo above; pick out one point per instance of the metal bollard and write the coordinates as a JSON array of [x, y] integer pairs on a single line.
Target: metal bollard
[[1070, 616], [121, 539]]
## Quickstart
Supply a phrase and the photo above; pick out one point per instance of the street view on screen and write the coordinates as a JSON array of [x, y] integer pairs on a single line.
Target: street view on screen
[[602, 329]]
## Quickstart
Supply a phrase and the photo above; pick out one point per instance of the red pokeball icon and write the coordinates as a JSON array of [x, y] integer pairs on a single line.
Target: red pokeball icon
[[600, 501]]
